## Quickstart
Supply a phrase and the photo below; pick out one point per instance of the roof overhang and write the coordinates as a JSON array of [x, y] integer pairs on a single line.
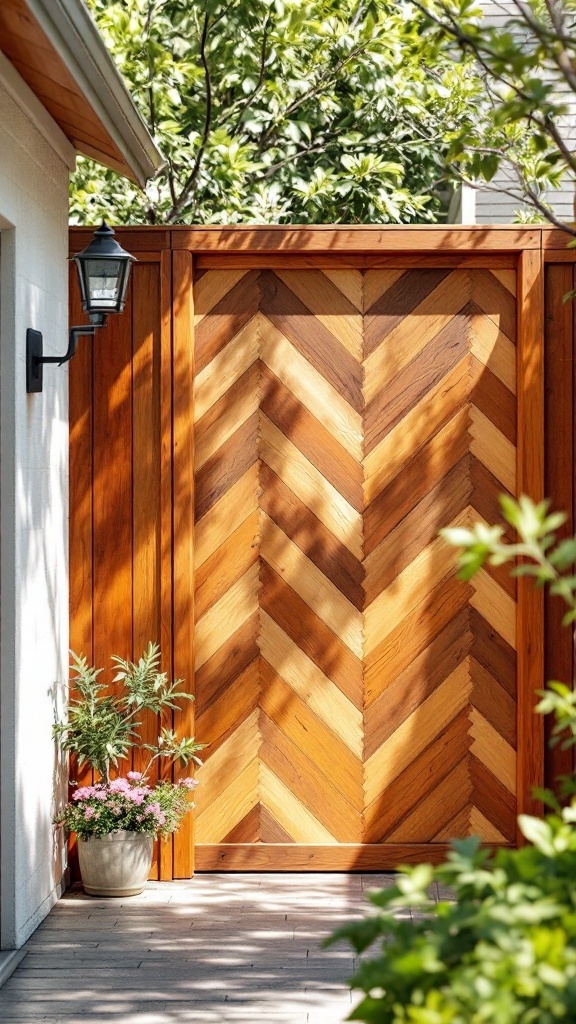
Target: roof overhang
[[57, 49]]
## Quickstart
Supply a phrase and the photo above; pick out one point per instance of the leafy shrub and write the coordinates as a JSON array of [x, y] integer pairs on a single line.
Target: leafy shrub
[[101, 728], [504, 951]]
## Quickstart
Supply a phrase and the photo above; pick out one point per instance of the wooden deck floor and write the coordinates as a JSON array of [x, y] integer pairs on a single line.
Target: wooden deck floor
[[219, 948]]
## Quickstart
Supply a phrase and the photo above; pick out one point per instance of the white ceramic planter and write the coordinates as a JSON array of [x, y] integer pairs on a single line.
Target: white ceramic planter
[[115, 865]]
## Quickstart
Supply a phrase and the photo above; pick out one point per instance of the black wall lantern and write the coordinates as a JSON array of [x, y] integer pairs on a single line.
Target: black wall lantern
[[103, 273]]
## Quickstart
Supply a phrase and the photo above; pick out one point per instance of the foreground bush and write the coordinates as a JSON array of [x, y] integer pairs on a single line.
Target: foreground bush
[[504, 951]]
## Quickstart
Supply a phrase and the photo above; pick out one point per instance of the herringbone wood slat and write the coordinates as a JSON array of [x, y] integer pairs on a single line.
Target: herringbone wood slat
[[351, 689]]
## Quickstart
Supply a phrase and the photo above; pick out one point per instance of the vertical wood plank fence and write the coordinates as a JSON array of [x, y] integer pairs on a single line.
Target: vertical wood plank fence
[[263, 448]]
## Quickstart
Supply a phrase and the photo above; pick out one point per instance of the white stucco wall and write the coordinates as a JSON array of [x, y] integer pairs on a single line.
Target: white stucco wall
[[33, 507]]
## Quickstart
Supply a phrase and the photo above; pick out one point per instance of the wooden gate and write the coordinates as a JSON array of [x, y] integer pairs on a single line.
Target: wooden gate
[[324, 403]]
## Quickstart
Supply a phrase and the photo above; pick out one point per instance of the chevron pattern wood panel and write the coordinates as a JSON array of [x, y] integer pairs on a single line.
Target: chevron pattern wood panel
[[351, 689]]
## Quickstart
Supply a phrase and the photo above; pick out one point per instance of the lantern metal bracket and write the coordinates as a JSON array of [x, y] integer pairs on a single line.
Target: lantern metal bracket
[[35, 357]]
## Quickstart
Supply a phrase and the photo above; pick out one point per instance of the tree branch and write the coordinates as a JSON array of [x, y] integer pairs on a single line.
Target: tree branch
[[312, 91], [481, 52], [293, 158], [179, 205], [525, 195]]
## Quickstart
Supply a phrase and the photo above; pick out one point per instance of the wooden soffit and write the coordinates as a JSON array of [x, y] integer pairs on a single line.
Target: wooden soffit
[[26, 42]]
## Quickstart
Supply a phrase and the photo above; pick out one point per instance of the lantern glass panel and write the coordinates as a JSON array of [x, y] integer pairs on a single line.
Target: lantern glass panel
[[104, 278]]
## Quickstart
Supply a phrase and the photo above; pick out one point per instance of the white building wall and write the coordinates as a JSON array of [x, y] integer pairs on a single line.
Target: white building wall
[[34, 168]]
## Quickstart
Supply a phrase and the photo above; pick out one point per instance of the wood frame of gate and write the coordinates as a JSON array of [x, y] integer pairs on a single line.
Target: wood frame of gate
[[132, 468]]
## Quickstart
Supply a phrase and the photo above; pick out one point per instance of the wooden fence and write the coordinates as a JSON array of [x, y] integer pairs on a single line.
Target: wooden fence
[[263, 449]]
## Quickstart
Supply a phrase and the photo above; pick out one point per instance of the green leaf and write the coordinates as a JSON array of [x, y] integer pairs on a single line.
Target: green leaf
[[537, 832]]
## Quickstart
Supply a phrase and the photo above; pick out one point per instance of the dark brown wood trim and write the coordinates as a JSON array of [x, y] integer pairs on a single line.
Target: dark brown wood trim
[[530, 470]]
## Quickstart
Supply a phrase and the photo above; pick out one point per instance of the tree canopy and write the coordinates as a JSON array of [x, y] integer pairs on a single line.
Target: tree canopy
[[284, 111]]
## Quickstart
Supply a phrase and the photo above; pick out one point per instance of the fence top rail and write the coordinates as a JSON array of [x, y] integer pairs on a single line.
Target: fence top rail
[[326, 238], [341, 239]]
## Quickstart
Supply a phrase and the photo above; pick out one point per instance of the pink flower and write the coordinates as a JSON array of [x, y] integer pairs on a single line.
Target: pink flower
[[188, 783], [119, 786], [153, 808], [134, 776], [84, 793], [88, 813]]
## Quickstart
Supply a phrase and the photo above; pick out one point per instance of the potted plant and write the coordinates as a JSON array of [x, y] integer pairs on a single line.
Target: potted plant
[[116, 820]]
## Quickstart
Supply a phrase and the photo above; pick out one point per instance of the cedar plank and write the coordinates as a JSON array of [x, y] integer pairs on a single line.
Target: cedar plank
[[492, 799], [226, 320], [495, 301], [418, 529], [226, 565], [314, 341], [493, 653], [311, 536], [410, 385], [249, 381], [271, 831], [311, 634], [497, 403], [226, 664], [486, 490], [303, 727], [349, 857], [422, 775], [397, 302], [414, 635], [226, 466], [298, 770], [404, 492], [559, 481], [315, 442], [112, 493], [419, 679], [221, 717], [493, 702], [436, 809], [247, 830]]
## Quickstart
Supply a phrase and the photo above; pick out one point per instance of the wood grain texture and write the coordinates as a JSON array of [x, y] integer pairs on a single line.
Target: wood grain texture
[[30, 49], [146, 486], [311, 634], [338, 262], [559, 478], [317, 444], [166, 524], [364, 239], [364, 633], [319, 545], [112, 496], [80, 412], [183, 631], [305, 857], [355, 694], [80, 532], [530, 482]]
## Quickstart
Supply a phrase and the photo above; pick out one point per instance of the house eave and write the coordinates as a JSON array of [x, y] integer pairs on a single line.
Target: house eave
[[74, 36]]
